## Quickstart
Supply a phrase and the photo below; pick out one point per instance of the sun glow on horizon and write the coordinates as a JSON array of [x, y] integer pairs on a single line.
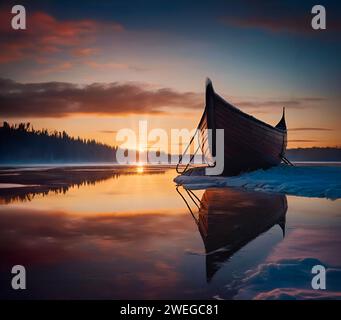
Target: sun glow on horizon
[[140, 168]]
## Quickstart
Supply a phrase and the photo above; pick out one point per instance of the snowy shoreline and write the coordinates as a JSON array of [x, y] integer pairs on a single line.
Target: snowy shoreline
[[306, 181]]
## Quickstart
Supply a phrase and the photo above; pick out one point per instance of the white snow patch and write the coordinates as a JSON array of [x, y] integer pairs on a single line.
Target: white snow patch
[[285, 280], [306, 181]]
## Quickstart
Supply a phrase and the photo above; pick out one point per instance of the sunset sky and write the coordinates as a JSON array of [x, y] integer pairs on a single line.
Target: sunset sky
[[93, 67]]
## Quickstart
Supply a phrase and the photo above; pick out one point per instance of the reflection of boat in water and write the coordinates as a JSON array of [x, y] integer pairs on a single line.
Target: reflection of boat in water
[[228, 219]]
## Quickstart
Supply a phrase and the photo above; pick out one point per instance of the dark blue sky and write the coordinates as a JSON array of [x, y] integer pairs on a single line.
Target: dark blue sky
[[259, 51]]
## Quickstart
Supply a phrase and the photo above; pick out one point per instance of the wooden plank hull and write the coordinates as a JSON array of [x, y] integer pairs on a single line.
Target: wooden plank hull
[[249, 143]]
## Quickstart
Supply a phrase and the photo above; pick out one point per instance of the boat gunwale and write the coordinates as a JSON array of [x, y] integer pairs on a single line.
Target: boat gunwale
[[249, 117]]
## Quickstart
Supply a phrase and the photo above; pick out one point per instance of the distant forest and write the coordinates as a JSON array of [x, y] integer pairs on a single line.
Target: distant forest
[[20, 143], [314, 154]]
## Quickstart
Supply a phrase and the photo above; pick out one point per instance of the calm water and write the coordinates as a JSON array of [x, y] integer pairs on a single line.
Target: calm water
[[108, 233]]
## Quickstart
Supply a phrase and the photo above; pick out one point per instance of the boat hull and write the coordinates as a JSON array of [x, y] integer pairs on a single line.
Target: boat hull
[[249, 143]]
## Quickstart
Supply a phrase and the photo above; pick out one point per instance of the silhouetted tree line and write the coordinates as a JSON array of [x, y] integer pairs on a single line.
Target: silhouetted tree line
[[21, 143], [314, 154]]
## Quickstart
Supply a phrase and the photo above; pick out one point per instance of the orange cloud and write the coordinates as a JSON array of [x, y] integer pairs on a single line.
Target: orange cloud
[[60, 99], [113, 65], [273, 104], [84, 52], [310, 129], [45, 35], [301, 140]]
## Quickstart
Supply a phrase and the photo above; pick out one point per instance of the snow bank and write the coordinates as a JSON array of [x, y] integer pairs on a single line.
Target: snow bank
[[307, 181], [285, 280]]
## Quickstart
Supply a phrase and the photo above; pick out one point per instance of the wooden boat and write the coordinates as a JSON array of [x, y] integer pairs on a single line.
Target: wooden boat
[[228, 219], [249, 143]]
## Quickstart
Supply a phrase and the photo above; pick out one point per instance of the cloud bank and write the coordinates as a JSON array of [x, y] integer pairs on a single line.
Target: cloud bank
[[60, 99]]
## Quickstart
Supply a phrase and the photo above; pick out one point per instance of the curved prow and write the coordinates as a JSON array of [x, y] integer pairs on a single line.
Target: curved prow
[[209, 85], [208, 113], [282, 124]]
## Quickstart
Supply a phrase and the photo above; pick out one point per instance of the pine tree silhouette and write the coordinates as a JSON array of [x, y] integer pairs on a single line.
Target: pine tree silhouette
[[21, 143]]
